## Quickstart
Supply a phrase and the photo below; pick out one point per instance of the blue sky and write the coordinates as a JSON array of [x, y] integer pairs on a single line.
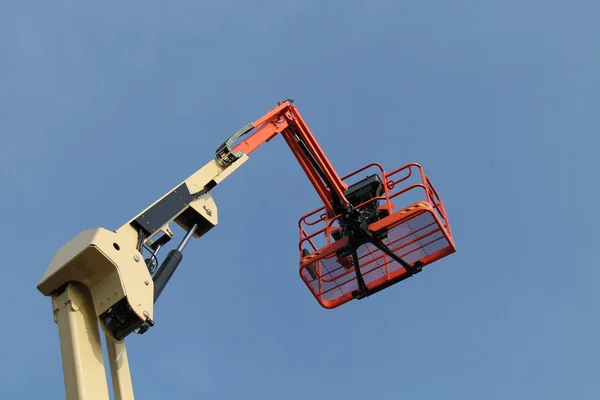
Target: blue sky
[[106, 106]]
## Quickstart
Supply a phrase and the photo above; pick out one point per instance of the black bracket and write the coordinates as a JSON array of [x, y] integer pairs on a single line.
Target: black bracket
[[355, 226], [224, 155]]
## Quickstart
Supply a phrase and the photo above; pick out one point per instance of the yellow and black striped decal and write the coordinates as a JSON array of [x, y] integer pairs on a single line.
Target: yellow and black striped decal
[[413, 207], [310, 257]]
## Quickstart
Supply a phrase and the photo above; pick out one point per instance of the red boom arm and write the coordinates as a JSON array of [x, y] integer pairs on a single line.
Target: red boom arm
[[286, 119]]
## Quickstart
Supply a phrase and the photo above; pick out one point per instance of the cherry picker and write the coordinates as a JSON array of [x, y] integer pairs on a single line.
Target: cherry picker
[[366, 236]]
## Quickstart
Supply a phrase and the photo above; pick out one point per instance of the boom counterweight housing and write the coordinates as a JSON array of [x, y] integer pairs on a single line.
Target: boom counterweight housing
[[373, 230]]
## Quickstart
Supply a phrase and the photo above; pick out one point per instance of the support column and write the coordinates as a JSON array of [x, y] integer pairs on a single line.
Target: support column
[[119, 370], [82, 358]]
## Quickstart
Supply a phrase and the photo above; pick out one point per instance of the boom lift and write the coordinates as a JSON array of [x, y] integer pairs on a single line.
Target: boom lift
[[362, 240]]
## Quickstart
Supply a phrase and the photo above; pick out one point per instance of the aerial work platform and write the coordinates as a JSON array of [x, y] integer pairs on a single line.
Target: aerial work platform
[[405, 215], [374, 229]]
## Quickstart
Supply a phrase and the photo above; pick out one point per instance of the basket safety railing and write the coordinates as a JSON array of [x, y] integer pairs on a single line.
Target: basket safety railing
[[401, 194], [309, 228]]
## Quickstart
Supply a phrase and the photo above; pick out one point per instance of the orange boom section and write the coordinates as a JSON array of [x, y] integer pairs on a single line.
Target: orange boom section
[[406, 217], [368, 235]]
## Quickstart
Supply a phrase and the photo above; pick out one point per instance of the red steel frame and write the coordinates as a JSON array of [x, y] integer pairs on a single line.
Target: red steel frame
[[285, 119]]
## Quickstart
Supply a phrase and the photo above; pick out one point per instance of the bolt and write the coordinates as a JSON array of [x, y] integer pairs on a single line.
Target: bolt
[[146, 314], [147, 283], [208, 211], [136, 258]]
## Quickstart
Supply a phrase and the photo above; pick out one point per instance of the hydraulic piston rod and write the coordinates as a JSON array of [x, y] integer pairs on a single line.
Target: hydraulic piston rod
[[171, 263]]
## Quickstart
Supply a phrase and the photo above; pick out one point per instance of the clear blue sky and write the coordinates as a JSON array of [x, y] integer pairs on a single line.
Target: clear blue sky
[[106, 106]]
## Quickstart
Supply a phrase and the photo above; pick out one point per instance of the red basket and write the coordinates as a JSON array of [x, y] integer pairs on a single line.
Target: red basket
[[417, 231]]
